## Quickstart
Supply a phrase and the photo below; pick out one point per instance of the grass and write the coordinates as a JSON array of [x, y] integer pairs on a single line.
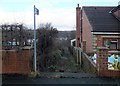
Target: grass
[[73, 67], [33, 75]]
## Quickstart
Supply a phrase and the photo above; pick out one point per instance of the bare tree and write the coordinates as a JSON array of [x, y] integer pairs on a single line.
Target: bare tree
[[46, 36]]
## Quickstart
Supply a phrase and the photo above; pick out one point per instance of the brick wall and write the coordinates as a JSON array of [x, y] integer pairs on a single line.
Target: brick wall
[[0, 62], [102, 64], [87, 35], [16, 62], [84, 46], [97, 40], [100, 41], [94, 44]]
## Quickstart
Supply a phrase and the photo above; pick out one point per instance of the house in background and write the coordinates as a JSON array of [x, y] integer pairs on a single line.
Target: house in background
[[73, 42], [98, 26]]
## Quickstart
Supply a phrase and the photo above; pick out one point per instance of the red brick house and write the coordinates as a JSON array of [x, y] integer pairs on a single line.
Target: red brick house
[[98, 26]]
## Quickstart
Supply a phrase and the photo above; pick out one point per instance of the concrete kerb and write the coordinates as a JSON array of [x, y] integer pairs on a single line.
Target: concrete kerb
[[66, 75]]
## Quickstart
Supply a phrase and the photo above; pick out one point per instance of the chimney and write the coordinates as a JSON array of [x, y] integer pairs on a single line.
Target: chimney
[[78, 26]]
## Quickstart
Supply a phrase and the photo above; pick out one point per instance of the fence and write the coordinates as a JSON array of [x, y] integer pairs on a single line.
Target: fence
[[85, 63], [101, 66]]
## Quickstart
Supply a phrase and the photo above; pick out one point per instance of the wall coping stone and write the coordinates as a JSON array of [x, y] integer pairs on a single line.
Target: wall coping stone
[[7, 50], [84, 40], [101, 48], [26, 48], [114, 51]]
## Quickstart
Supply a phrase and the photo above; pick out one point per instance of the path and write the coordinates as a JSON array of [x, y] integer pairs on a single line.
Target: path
[[63, 78]]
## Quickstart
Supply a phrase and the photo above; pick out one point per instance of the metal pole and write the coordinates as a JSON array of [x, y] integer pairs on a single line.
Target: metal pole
[[80, 55], [35, 40], [77, 56]]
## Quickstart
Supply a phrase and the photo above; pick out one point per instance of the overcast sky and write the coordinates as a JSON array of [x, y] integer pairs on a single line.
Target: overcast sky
[[61, 13]]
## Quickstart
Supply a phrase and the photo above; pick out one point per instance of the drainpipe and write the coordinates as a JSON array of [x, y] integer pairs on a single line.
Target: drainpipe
[[81, 24]]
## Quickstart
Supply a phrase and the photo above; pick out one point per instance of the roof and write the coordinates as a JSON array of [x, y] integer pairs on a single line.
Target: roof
[[101, 20], [114, 10], [73, 40]]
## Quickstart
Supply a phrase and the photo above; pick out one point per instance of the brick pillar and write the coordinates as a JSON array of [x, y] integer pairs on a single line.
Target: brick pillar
[[78, 26], [84, 46], [102, 60]]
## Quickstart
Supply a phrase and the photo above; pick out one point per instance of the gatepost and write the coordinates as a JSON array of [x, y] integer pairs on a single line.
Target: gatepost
[[102, 60]]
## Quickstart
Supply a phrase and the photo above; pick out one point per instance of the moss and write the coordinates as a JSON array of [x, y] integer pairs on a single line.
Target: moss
[[32, 75], [57, 76]]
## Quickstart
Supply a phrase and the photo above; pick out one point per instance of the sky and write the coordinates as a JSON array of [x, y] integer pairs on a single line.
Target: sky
[[60, 13]]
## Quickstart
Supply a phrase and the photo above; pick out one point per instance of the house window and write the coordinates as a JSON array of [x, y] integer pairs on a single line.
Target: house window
[[112, 44], [106, 43], [119, 44]]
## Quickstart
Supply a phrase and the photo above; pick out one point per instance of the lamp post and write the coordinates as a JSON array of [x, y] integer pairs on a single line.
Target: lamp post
[[36, 11]]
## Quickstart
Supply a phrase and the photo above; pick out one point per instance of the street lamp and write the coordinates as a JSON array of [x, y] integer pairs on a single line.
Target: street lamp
[[36, 12]]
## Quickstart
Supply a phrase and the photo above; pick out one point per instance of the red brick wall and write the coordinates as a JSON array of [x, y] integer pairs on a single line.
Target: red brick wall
[[87, 35], [84, 46], [16, 62], [102, 64], [0, 62], [99, 40]]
